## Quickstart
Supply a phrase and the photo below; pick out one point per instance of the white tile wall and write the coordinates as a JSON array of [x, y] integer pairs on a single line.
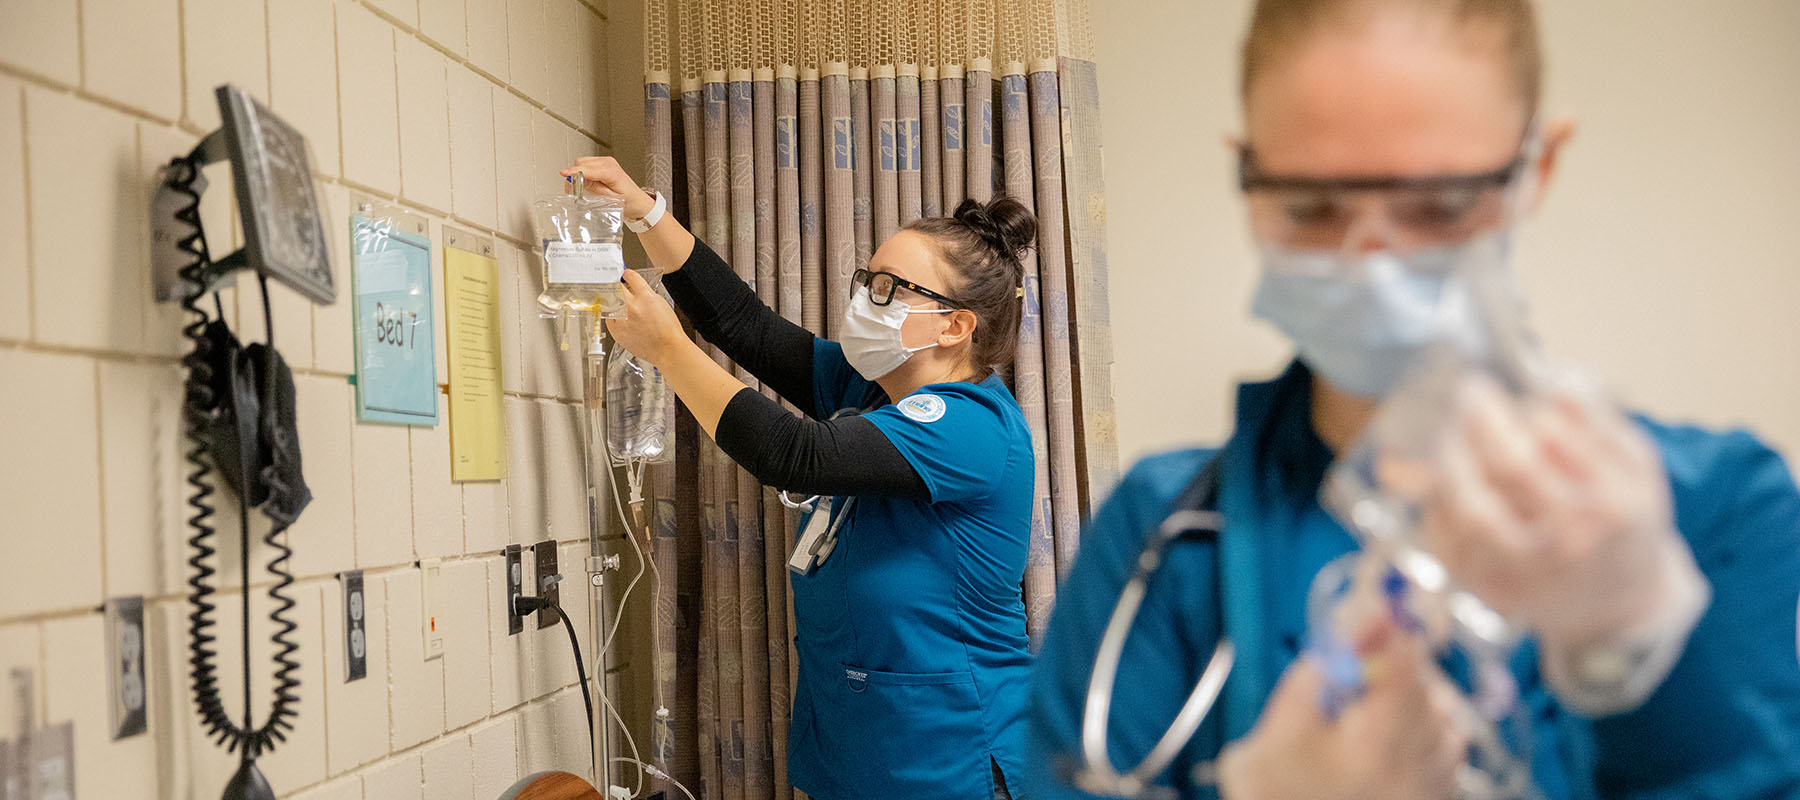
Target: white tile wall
[[518, 185], [448, 775], [486, 523], [303, 86], [15, 275], [91, 267], [553, 735], [49, 483], [367, 100], [349, 788], [42, 37], [406, 11], [472, 159], [333, 337], [525, 482], [416, 684], [529, 45], [466, 597], [141, 471], [383, 491], [424, 125], [445, 23], [488, 37], [234, 49], [494, 748], [131, 53], [325, 534], [399, 779], [437, 503], [440, 104]]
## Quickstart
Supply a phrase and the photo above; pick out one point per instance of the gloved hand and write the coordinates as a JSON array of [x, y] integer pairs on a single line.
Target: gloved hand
[[1401, 740], [1556, 512]]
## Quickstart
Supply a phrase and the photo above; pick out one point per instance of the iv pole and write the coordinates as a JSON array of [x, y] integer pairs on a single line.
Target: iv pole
[[597, 469]]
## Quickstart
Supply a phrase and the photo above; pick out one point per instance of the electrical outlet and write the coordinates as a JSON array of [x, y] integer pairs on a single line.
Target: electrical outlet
[[430, 571], [125, 665], [356, 634], [515, 578], [53, 762], [544, 553]]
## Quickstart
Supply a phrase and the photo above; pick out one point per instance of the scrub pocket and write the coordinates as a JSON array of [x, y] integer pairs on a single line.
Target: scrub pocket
[[914, 734]]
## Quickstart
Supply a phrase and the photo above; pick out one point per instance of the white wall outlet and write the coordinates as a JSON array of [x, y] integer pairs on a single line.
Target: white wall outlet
[[356, 623], [430, 615]]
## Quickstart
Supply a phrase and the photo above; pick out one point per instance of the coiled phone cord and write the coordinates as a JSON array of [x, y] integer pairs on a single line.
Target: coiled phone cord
[[201, 403]]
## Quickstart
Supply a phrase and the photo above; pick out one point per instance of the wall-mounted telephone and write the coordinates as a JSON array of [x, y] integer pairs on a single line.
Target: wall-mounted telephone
[[238, 412]]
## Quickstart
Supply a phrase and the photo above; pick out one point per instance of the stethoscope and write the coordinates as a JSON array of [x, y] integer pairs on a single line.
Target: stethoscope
[[1195, 518]]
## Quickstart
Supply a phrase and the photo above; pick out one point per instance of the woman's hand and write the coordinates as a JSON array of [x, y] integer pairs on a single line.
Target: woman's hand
[[649, 328], [604, 176], [1401, 740], [1556, 512]]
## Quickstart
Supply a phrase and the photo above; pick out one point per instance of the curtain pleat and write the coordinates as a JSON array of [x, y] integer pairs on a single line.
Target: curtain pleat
[[802, 150]]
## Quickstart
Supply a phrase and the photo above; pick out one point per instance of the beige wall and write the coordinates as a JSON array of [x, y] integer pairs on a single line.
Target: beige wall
[[1666, 255], [460, 110]]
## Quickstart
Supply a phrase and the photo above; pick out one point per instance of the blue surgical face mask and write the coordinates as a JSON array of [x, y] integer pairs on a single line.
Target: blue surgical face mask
[[1360, 322]]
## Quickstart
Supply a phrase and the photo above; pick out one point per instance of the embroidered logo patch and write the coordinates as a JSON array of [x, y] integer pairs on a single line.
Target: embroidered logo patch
[[923, 407]]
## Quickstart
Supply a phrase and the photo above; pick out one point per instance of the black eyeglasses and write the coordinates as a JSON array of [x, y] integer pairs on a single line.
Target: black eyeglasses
[[883, 284]]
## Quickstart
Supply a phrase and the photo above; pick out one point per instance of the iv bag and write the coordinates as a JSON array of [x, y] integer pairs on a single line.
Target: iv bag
[[583, 255], [1377, 487], [640, 411]]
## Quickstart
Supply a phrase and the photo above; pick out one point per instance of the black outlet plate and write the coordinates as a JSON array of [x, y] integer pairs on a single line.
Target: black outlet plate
[[544, 553], [515, 577]]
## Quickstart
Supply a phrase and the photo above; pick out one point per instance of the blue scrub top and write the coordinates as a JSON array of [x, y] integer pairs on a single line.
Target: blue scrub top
[[914, 668], [1725, 723]]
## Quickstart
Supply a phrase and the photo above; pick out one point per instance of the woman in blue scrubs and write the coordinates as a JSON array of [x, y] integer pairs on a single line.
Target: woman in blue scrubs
[[910, 622], [1656, 567]]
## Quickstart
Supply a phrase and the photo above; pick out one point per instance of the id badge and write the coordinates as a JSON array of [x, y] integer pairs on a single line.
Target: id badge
[[812, 537]]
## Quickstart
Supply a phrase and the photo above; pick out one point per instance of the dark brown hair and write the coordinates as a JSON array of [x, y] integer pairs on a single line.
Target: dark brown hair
[[982, 244], [1277, 25]]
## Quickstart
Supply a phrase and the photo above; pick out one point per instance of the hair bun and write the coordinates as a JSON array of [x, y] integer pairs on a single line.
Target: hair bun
[[1004, 223]]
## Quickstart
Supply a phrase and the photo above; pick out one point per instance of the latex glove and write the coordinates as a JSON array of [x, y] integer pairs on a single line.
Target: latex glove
[[649, 328], [1401, 740], [604, 176], [1556, 512]]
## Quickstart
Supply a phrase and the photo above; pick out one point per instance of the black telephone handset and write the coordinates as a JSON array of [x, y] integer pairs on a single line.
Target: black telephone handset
[[239, 410]]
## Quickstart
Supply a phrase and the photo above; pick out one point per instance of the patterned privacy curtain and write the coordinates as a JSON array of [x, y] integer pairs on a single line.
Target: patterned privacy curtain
[[794, 137]]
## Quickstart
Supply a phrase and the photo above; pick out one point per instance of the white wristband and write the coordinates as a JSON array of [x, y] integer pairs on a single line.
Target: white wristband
[[656, 214]]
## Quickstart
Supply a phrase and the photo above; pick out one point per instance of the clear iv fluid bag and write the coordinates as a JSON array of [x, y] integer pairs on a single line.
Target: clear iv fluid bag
[[583, 255], [640, 411]]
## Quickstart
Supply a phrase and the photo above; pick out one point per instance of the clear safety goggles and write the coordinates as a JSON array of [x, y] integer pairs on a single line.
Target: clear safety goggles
[[1396, 214]]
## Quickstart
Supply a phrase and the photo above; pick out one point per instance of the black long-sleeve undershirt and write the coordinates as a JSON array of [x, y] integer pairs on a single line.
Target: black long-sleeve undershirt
[[847, 456], [728, 313]]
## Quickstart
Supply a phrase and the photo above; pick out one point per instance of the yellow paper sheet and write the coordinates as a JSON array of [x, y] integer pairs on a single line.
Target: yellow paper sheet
[[477, 422]]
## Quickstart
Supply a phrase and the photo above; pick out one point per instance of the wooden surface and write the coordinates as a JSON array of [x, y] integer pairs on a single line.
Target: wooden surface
[[552, 786]]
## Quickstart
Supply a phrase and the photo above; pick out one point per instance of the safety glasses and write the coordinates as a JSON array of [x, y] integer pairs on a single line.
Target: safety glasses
[[1402, 213], [882, 286]]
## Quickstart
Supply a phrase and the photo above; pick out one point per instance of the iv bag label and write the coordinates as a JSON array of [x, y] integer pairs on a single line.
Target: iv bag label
[[585, 262]]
